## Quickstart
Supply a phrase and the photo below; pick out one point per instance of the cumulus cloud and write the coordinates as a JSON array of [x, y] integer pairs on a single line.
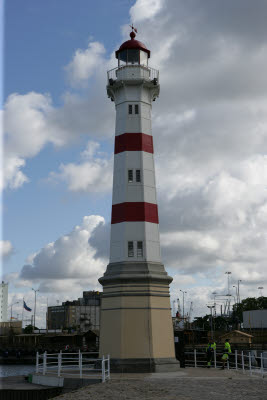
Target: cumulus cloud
[[6, 248], [93, 174], [69, 261], [85, 63]]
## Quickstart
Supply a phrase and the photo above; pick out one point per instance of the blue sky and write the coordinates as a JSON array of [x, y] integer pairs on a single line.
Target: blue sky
[[210, 135]]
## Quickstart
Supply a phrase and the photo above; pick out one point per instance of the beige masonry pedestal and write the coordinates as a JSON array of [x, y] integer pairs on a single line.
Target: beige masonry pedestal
[[136, 325]]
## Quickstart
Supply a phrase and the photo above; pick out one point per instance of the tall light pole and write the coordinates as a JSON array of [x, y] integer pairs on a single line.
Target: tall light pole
[[238, 297], [183, 291], [260, 290], [17, 302], [211, 323], [34, 313], [228, 279]]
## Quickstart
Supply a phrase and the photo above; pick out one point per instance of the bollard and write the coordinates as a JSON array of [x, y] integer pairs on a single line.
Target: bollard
[[37, 363], [195, 357], [215, 359], [236, 365]]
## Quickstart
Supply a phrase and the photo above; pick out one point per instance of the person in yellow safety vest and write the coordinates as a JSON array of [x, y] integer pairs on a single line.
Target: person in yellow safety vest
[[227, 350], [210, 351]]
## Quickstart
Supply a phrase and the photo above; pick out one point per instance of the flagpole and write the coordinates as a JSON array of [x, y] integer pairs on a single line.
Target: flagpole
[[22, 312]]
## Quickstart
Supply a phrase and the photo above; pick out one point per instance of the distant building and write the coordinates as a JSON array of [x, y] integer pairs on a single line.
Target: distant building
[[237, 337], [3, 301], [81, 314], [255, 319], [9, 327]]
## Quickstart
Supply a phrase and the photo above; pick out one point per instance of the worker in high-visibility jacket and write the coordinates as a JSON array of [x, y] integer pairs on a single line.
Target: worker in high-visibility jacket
[[227, 350], [211, 347]]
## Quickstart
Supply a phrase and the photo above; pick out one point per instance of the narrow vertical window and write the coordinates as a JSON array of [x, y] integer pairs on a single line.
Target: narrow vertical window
[[130, 249], [139, 249], [138, 175], [130, 175], [136, 109], [130, 109]]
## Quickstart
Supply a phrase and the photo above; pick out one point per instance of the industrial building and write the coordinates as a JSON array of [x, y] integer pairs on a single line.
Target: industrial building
[[255, 319], [3, 301], [78, 315]]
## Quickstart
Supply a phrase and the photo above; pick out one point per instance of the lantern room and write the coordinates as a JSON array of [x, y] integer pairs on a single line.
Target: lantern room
[[132, 52]]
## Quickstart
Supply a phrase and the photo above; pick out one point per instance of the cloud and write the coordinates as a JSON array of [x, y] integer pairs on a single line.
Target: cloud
[[85, 63], [69, 260], [93, 175], [145, 9], [6, 248]]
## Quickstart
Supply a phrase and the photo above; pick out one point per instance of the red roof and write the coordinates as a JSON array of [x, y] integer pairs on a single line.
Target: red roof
[[132, 44]]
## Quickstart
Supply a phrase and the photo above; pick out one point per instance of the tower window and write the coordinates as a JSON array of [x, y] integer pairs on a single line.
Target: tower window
[[130, 175], [136, 109], [130, 108], [138, 175], [139, 249], [130, 249]]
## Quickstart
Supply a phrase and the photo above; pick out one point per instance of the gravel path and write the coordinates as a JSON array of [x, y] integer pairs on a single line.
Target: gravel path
[[189, 385]]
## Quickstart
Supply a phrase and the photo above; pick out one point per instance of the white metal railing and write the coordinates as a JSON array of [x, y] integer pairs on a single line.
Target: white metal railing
[[244, 361], [152, 72], [80, 364]]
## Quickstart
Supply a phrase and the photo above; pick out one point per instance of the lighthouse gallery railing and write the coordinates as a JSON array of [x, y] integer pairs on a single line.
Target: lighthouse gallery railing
[[145, 72]]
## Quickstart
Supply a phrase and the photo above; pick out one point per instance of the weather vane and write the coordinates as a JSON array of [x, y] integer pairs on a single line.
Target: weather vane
[[133, 28]]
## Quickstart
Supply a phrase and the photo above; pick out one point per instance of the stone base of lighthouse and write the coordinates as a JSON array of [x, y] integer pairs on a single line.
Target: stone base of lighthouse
[[136, 324]]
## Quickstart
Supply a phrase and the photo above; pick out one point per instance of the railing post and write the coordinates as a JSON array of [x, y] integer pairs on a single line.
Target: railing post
[[262, 370], [37, 363], [195, 357], [215, 359], [59, 363], [108, 366], [103, 369], [44, 362], [80, 364], [249, 362], [243, 365], [236, 364]]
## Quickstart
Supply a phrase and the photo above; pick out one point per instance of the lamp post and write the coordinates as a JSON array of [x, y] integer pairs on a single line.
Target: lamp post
[[260, 290], [35, 290], [238, 296], [228, 278], [17, 302], [183, 291], [211, 323]]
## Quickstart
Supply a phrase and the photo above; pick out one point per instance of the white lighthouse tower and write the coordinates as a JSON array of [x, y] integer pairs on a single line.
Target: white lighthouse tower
[[136, 325]]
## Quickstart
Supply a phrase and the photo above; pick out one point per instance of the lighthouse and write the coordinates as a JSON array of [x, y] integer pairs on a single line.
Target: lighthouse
[[136, 324]]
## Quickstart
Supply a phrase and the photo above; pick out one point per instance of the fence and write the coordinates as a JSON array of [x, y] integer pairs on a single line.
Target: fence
[[152, 72], [84, 365], [245, 361]]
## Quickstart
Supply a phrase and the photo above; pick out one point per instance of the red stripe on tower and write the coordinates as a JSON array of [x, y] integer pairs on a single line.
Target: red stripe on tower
[[137, 211], [134, 142]]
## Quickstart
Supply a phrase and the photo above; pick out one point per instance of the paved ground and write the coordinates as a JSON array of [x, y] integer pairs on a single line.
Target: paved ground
[[187, 384]]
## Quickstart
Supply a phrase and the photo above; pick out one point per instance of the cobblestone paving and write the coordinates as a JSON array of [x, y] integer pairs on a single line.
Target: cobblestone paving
[[181, 386]]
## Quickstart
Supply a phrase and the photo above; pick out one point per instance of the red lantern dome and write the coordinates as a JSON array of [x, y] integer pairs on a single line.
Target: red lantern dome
[[132, 52]]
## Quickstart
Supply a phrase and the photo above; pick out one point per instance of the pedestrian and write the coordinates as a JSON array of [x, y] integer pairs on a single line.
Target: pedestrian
[[211, 347], [227, 350]]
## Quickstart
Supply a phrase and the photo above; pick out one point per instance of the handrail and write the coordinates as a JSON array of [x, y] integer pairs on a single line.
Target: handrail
[[84, 366], [153, 74]]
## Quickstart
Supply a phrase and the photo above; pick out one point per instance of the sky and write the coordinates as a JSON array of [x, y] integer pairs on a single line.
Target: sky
[[210, 142]]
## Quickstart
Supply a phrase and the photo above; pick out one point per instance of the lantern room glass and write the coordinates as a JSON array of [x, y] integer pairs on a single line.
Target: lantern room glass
[[132, 57]]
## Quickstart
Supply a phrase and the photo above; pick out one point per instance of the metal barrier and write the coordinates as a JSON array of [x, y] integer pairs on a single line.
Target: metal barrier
[[152, 72], [244, 361], [81, 364]]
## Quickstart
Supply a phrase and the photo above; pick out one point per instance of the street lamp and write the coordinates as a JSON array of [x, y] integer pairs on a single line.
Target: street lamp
[[260, 289], [35, 290], [228, 278], [183, 291], [17, 302], [211, 324], [238, 297]]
